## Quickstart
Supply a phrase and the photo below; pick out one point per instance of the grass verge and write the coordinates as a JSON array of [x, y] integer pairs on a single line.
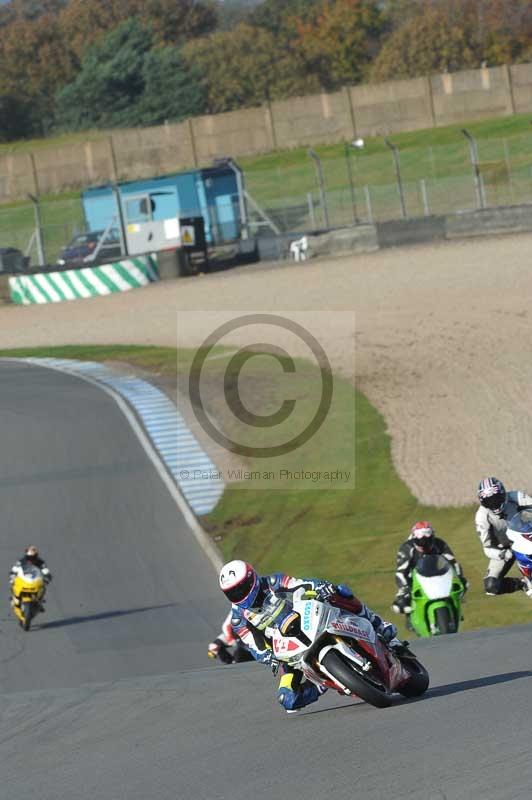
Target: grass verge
[[347, 536]]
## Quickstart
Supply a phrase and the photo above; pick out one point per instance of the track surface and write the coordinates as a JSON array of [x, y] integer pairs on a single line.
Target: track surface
[[133, 598], [132, 592], [218, 734]]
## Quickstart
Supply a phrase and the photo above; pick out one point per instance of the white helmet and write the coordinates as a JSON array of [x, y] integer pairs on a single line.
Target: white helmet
[[240, 583]]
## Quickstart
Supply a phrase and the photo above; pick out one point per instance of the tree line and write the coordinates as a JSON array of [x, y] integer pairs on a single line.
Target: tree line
[[69, 65]]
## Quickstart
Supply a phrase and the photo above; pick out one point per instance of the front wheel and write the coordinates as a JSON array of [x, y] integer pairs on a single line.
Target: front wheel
[[341, 669], [444, 621], [418, 683], [28, 614]]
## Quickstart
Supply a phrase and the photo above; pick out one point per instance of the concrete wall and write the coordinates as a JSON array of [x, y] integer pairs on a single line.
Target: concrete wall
[[521, 78], [244, 132], [316, 119], [146, 152], [386, 108], [472, 94], [300, 121]]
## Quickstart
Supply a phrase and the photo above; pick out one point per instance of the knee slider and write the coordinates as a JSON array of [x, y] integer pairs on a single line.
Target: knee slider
[[492, 585]]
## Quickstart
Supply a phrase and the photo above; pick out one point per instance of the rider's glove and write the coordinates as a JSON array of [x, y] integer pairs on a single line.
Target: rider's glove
[[214, 649], [324, 591], [271, 661], [344, 591], [218, 649], [400, 603], [387, 631]]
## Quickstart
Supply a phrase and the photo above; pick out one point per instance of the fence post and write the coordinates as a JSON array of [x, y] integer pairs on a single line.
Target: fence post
[[38, 229], [479, 188], [114, 167], [319, 172], [397, 165], [310, 203], [424, 197], [351, 182], [121, 223], [34, 175], [369, 207]]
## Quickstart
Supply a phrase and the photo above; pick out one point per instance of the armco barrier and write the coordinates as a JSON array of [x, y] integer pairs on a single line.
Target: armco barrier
[[504, 219], [397, 232], [75, 284]]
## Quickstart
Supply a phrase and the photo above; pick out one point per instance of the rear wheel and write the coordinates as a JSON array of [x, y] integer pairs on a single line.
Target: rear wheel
[[27, 616], [444, 621], [341, 669]]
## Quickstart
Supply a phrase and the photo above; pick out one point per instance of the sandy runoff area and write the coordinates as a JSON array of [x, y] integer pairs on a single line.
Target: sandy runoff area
[[443, 344]]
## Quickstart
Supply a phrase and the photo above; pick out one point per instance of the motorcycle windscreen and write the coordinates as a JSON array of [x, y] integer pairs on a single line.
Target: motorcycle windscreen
[[435, 576]]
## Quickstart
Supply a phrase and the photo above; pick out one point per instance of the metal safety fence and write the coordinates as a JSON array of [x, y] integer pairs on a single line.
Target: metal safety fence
[[331, 187], [381, 182]]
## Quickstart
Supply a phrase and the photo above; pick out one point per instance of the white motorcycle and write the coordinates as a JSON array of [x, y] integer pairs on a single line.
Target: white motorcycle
[[334, 647]]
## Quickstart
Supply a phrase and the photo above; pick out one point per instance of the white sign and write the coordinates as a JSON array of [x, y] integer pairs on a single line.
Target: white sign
[[171, 228]]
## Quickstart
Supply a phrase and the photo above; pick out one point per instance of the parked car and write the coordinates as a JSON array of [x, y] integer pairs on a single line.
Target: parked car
[[87, 248], [13, 260]]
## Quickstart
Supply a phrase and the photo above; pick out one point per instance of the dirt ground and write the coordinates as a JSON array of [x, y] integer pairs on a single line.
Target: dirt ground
[[443, 344]]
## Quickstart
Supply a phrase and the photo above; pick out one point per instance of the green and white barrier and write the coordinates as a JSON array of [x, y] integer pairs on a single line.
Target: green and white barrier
[[75, 284]]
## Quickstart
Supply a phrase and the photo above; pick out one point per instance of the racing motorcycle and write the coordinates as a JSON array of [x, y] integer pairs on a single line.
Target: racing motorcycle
[[27, 591], [519, 533], [334, 647], [435, 598]]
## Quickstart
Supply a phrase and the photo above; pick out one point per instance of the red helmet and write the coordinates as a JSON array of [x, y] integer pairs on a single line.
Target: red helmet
[[240, 583], [422, 534]]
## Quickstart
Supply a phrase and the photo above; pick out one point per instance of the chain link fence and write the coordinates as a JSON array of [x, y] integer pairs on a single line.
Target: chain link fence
[[364, 186], [333, 188], [57, 221]]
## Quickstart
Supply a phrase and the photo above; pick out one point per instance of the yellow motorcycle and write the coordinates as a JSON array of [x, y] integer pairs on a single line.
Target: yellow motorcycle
[[27, 592]]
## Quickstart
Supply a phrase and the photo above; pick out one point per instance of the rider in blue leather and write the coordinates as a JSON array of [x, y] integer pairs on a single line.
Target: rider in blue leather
[[257, 607]]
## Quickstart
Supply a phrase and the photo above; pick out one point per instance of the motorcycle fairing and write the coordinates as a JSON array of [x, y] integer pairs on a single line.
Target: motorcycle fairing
[[524, 562]]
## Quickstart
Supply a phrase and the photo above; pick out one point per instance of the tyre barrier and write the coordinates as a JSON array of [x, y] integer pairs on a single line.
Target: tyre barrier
[[76, 284]]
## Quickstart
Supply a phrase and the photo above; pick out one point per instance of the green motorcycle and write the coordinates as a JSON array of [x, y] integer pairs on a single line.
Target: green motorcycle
[[436, 597]]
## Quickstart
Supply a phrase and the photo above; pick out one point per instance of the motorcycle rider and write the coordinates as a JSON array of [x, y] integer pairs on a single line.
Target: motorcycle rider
[[227, 646], [497, 507], [31, 557], [258, 604], [422, 541]]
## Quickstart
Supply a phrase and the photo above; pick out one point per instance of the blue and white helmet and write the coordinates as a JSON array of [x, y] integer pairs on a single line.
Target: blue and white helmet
[[492, 494]]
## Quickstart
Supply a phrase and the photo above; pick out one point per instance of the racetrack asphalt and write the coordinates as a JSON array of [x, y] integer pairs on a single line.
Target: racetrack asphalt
[[110, 697], [132, 592]]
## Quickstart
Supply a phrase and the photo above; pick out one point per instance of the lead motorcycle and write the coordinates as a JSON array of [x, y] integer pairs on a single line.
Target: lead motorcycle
[[27, 591], [334, 647]]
